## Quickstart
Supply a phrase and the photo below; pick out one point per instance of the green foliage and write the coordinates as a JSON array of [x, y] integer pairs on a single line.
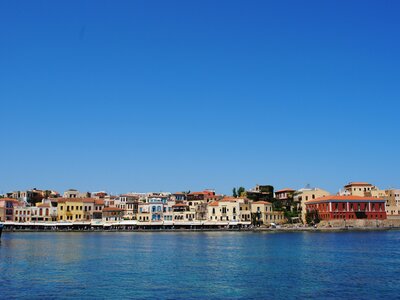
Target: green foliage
[[234, 194], [46, 194], [312, 217], [277, 205], [291, 214], [241, 192], [255, 219]]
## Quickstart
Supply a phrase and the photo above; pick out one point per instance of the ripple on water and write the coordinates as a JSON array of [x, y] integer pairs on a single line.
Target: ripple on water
[[213, 265]]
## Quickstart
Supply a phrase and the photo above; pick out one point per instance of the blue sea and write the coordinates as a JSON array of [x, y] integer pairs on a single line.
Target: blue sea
[[212, 265]]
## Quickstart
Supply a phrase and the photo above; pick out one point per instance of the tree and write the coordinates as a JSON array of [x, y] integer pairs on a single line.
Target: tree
[[312, 217], [241, 192], [234, 194], [46, 194]]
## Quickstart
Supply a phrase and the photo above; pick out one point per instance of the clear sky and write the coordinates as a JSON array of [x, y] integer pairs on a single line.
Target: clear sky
[[184, 95]]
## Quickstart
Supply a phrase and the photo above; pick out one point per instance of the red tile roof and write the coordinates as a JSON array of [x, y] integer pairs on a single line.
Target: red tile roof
[[285, 190], [9, 199], [112, 209], [84, 200], [344, 198], [179, 205], [262, 202], [358, 184], [215, 203]]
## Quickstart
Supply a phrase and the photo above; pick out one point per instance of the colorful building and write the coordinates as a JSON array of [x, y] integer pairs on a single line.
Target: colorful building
[[71, 209], [230, 209], [303, 195], [362, 189], [7, 209], [347, 208], [285, 197], [112, 214], [262, 214]]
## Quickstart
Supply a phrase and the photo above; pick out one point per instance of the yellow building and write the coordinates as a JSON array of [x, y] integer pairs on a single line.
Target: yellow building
[[69, 209], [230, 209], [307, 194], [362, 189], [392, 202], [264, 215]]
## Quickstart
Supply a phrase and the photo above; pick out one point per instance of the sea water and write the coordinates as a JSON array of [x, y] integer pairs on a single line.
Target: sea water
[[208, 265]]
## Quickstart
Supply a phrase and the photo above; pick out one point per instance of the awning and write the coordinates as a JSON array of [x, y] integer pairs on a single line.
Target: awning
[[128, 222], [216, 223]]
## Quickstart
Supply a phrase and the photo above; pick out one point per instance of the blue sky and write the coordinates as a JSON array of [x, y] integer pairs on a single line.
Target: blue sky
[[183, 95]]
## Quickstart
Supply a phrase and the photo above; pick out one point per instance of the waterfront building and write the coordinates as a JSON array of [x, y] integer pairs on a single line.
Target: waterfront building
[[182, 213], [72, 193], [157, 208], [75, 209], [263, 214], [88, 208], [44, 211], [301, 196], [7, 209], [22, 213], [112, 214], [98, 209], [158, 197], [392, 202], [178, 196], [144, 212], [32, 196], [261, 193], [168, 214], [230, 209], [285, 197], [347, 208], [102, 195], [109, 200], [131, 210], [362, 189], [197, 202]]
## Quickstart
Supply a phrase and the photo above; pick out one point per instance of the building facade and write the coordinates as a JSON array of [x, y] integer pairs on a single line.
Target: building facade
[[347, 208]]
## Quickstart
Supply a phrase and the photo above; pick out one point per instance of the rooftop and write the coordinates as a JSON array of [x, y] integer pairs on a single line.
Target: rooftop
[[344, 198]]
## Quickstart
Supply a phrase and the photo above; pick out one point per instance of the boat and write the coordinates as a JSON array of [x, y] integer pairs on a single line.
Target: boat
[[1, 228]]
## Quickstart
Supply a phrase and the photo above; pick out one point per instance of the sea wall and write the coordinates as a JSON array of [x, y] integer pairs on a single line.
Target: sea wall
[[389, 222]]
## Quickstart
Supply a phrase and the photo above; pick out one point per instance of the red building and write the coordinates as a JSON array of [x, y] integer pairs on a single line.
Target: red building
[[347, 207]]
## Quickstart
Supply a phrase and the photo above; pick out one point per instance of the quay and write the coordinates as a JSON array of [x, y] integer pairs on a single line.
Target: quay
[[133, 226], [124, 226]]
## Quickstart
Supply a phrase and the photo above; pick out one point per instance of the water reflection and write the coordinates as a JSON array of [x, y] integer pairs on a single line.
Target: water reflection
[[199, 265]]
